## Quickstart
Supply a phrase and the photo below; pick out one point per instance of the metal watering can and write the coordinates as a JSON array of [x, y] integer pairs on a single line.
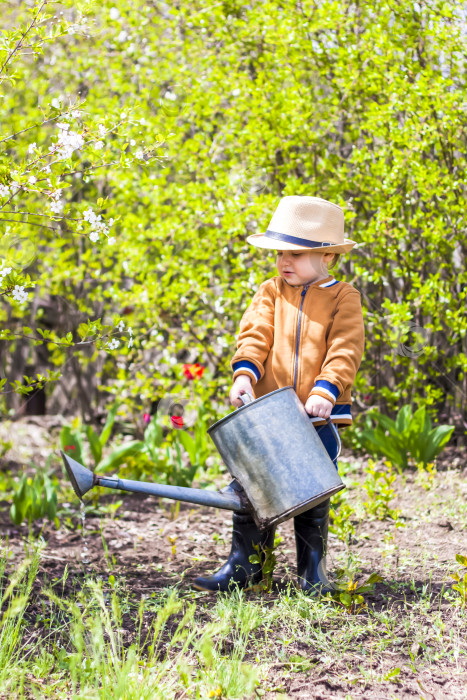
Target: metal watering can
[[279, 465]]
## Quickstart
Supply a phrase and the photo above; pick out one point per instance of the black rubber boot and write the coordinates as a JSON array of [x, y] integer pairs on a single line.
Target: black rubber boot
[[311, 536], [238, 570]]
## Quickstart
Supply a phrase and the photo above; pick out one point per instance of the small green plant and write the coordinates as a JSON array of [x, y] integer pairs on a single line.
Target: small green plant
[[408, 437], [269, 562], [426, 475], [340, 521], [152, 457], [33, 499], [77, 441], [5, 446], [460, 577], [378, 487], [349, 593]]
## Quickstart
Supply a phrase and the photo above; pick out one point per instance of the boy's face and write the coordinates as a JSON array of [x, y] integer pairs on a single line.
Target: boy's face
[[302, 267]]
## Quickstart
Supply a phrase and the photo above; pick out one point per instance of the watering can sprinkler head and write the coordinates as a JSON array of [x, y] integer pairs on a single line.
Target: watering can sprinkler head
[[82, 479]]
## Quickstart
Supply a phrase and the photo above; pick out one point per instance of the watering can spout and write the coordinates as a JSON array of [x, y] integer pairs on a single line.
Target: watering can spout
[[83, 480]]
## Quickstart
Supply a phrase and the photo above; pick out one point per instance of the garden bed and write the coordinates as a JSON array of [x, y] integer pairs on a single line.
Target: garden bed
[[408, 640]]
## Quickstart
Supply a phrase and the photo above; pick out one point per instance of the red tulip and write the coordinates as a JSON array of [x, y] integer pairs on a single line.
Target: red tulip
[[146, 417], [193, 371], [177, 421]]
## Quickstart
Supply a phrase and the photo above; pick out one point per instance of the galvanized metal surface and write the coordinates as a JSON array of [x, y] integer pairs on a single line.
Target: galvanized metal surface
[[272, 448], [215, 499]]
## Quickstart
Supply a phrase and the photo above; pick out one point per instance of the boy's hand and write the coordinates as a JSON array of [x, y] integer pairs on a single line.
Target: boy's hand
[[317, 406], [241, 385]]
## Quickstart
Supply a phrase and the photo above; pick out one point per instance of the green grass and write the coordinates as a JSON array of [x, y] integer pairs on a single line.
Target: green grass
[[182, 644]]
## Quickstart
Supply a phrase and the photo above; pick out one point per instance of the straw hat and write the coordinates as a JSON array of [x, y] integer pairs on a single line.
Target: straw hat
[[305, 223]]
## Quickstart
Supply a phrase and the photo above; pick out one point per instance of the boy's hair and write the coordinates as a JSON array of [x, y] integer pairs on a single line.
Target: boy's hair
[[334, 261]]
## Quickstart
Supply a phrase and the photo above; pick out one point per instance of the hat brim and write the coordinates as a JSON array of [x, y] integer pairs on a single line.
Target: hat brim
[[259, 240]]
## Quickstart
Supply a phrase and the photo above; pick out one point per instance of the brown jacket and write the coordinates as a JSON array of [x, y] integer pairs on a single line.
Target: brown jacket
[[311, 337]]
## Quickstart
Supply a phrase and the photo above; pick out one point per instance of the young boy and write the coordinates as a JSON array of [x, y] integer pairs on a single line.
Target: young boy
[[304, 329]]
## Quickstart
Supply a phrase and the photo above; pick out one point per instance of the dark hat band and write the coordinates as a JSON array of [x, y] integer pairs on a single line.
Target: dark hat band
[[298, 241]]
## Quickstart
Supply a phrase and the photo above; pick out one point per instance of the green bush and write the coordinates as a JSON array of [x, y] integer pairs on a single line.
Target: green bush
[[34, 498], [409, 437], [131, 242]]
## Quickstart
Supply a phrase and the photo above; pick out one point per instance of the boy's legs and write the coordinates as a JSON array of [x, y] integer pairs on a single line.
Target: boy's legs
[[311, 531]]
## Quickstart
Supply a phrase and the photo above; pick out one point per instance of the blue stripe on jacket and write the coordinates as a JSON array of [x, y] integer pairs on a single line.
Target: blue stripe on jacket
[[327, 387], [248, 366]]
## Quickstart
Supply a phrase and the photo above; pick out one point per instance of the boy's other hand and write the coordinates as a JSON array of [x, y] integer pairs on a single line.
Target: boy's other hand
[[241, 385], [317, 406]]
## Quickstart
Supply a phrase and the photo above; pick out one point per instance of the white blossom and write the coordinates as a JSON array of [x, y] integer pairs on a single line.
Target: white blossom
[[110, 222], [4, 272], [19, 294], [68, 141], [31, 147], [130, 342], [57, 206], [132, 142], [55, 103], [111, 240], [122, 36], [94, 236], [113, 344], [121, 326], [139, 154], [99, 145], [102, 129], [89, 215], [32, 180], [114, 13], [4, 191]]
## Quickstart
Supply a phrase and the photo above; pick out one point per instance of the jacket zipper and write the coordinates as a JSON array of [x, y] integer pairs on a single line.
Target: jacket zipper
[[304, 291]]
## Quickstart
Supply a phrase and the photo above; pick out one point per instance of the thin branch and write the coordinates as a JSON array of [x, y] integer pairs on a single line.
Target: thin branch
[[34, 126], [29, 223], [49, 216], [20, 41]]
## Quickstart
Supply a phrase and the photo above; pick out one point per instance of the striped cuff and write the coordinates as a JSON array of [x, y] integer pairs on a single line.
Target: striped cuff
[[340, 414], [245, 367], [326, 389]]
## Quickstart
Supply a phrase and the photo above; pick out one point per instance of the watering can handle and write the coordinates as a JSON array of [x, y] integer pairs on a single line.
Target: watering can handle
[[245, 400], [336, 433]]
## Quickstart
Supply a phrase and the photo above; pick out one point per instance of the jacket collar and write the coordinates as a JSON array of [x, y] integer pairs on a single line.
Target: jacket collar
[[320, 283]]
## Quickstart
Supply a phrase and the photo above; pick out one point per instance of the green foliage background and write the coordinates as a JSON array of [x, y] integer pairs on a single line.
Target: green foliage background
[[231, 106]]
